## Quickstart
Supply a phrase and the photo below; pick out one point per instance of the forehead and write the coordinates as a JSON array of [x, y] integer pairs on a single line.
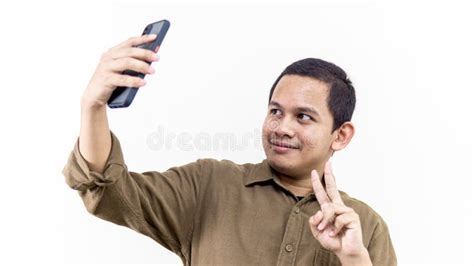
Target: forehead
[[293, 91]]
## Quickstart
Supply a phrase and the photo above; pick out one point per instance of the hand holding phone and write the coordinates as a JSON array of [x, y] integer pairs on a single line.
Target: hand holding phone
[[123, 96]]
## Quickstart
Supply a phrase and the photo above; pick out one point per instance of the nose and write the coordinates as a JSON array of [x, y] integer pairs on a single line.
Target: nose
[[283, 128]]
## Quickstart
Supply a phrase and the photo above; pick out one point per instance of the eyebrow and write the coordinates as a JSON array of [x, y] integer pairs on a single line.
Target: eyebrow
[[306, 109]]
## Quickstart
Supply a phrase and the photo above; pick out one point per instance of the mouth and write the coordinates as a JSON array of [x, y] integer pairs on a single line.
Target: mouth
[[281, 146]]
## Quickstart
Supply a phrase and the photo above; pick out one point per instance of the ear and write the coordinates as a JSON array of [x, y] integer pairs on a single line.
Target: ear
[[342, 136]]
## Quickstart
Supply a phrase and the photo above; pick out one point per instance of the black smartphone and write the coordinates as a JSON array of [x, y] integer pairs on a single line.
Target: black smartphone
[[123, 96]]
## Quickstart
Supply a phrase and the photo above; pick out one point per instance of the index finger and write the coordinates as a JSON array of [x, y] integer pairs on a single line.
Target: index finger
[[318, 188], [331, 187], [134, 41]]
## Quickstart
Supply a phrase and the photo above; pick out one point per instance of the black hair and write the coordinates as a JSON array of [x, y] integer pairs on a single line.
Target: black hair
[[341, 100]]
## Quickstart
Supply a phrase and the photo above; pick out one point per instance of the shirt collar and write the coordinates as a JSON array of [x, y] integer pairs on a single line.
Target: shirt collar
[[261, 172]]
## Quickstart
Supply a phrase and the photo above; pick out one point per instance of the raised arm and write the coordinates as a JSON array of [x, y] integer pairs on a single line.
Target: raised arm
[[95, 138]]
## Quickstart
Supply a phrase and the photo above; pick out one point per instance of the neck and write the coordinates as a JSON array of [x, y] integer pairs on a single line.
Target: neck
[[300, 186]]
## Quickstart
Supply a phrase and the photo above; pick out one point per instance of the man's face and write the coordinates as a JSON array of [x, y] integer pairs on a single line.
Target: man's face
[[297, 129]]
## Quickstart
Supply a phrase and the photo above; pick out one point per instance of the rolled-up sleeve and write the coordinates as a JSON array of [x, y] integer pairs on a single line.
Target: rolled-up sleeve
[[161, 205]]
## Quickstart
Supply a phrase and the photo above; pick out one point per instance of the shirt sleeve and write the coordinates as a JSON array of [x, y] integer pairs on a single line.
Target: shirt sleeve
[[160, 205], [380, 247]]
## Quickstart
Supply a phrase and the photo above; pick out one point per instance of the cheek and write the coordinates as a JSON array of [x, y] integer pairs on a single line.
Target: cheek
[[266, 127], [311, 140], [308, 141], [265, 131]]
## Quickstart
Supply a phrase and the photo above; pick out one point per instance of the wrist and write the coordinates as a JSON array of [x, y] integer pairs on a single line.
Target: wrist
[[361, 258], [88, 105]]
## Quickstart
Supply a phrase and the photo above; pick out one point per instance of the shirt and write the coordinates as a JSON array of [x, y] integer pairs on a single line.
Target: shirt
[[217, 212]]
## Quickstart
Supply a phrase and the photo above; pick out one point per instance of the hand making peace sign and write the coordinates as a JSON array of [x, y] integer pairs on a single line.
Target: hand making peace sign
[[336, 226]]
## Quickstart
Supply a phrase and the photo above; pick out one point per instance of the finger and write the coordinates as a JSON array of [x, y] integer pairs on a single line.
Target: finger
[[137, 53], [118, 80], [328, 217], [135, 41], [331, 212], [318, 188], [331, 188], [127, 63], [342, 221], [314, 222]]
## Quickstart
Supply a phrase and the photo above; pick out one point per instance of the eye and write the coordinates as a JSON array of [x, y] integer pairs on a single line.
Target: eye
[[275, 111], [305, 117]]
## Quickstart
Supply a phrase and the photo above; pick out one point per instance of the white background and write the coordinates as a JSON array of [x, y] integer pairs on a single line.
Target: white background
[[411, 158]]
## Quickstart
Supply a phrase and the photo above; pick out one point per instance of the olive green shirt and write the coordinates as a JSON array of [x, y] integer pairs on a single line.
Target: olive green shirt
[[212, 212]]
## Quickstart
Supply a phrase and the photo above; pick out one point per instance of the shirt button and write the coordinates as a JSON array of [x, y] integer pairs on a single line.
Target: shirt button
[[297, 210], [289, 248]]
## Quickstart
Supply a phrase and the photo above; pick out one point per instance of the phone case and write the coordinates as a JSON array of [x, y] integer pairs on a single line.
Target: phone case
[[123, 96]]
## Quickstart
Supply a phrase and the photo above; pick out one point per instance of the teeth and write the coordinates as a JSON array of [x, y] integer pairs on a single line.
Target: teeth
[[281, 144]]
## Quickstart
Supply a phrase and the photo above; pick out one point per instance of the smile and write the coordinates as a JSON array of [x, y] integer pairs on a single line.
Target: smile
[[282, 147]]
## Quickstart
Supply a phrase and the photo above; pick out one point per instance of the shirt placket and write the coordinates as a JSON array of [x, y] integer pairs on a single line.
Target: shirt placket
[[292, 236]]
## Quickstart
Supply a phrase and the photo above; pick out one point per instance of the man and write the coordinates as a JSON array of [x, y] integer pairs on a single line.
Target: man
[[210, 212]]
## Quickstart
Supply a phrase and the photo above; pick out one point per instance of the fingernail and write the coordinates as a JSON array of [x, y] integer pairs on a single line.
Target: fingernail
[[152, 70], [152, 36], [320, 227]]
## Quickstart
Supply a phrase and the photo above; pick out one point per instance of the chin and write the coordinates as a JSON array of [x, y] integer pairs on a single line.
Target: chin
[[281, 165], [290, 167]]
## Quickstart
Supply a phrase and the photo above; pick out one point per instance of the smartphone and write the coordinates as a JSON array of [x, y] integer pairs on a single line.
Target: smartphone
[[123, 96]]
